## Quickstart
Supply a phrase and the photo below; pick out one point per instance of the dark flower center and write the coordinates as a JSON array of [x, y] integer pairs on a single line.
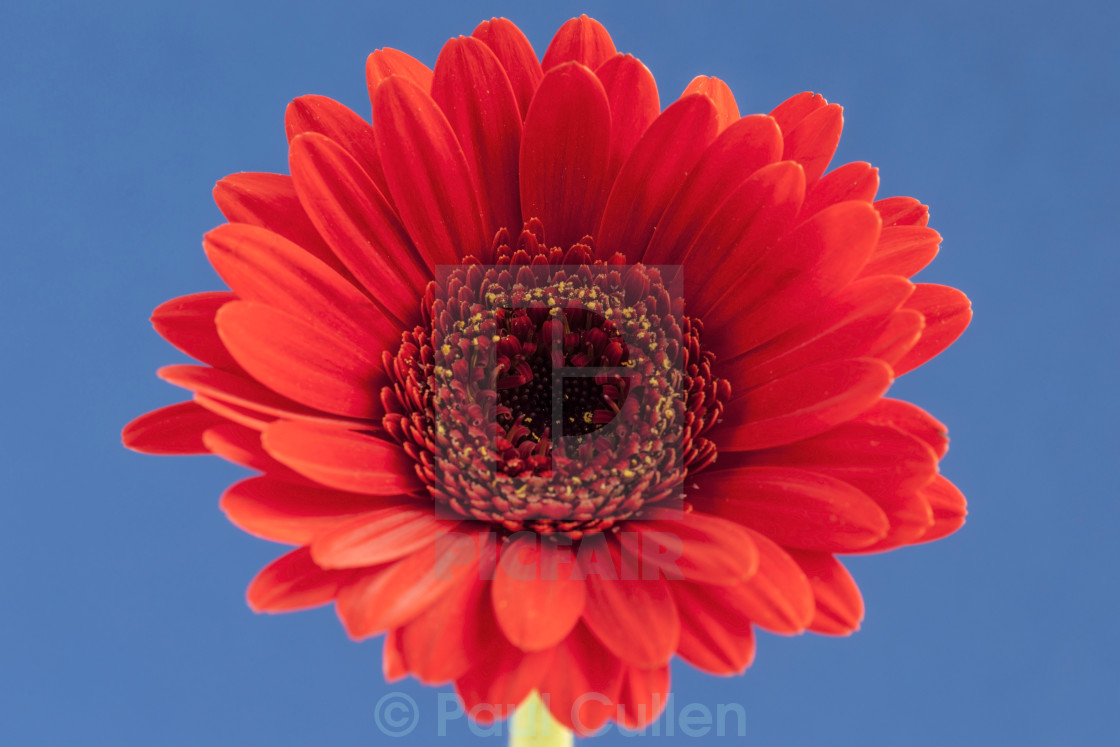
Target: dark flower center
[[551, 376], [554, 391]]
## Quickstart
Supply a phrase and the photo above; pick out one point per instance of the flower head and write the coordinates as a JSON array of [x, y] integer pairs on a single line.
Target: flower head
[[550, 385]]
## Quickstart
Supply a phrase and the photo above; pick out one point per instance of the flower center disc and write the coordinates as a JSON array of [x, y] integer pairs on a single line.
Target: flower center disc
[[535, 345], [551, 391]]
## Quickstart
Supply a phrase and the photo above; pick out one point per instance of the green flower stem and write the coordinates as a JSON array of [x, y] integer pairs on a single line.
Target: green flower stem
[[533, 726]]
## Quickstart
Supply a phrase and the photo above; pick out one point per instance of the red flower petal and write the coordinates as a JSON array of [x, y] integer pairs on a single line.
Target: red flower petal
[[736, 239], [247, 395], [175, 429], [695, 546], [516, 54], [294, 513], [716, 635], [875, 458], [359, 223], [327, 117], [308, 363], [379, 536], [341, 459], [262, 266], [632, 93], [474, 92], [839, 605], [778, 597], [393, 664], [910, 516], [652, 175], [846, 324], [947, 312], [428, 174], [738, 152], [293, 582], [498, 682], [812, 262], [635, 619], [852, 181], [537, 599], [565, 151], [902, 211], [794, 507], [803, 404], [720, 94], [582, 40], [643, 696], [187, 323], [796, 108], [242, 445], [949, 509], [812, 142], [903, 250], [583, 683], [388, 61], [242, 416], [900, 334], [911, 419], [901, 496], [438, 652], [391, 595], [269, 201]]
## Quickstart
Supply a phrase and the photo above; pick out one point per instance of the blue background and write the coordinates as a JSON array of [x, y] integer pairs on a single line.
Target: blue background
[[123, 620]]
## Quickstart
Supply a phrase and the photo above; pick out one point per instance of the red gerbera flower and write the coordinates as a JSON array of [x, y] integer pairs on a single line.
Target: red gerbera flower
[[549, 385]]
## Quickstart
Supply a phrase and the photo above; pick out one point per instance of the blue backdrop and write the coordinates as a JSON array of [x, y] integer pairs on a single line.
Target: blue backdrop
[[123, 619]]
